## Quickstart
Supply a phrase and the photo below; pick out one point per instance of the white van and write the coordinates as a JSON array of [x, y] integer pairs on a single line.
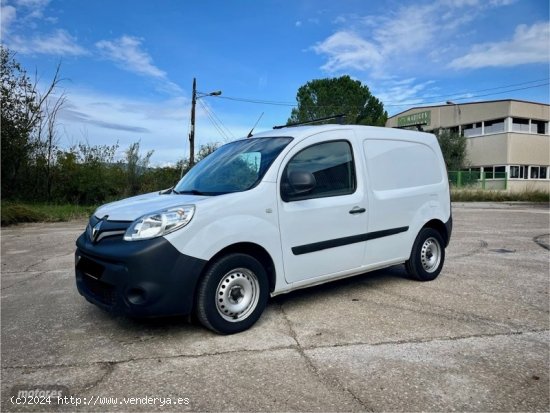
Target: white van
[[286, 209]]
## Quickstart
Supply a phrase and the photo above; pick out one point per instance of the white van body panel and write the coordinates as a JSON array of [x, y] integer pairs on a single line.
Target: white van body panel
[[225, 220]]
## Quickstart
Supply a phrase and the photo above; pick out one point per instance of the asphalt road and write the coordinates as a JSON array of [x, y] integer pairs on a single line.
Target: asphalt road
[[475, 339]]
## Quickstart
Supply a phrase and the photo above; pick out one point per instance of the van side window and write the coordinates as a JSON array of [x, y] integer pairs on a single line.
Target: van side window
[[331, 166]]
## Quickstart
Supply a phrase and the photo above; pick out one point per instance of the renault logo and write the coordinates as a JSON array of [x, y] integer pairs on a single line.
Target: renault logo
[[96, 229]]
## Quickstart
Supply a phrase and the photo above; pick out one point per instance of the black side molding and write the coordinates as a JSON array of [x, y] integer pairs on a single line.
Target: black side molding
[[339, 242]]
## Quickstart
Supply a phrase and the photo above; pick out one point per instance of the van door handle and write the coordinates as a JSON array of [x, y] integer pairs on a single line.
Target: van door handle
[[357, 210]]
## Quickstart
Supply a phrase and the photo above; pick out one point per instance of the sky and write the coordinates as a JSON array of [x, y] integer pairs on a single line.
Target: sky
[[128, 65]]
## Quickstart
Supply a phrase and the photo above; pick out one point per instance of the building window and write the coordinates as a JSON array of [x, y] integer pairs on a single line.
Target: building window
[[473, 129], [500, 172], [538, 172], [488, 170], [539, 126], [520, 125], [494, 126], [497, 172], [518, 171], [453, 130]]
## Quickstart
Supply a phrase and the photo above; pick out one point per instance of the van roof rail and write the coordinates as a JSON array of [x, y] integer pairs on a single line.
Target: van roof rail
[[309, 122]]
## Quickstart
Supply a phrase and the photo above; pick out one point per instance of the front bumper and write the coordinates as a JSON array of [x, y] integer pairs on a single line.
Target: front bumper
[[139, 278]]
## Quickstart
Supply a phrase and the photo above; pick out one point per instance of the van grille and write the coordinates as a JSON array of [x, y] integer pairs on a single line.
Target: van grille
[[90, 268], [101, 291]]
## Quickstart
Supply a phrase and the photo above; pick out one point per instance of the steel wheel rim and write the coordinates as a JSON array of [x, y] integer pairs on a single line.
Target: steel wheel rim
[[430, 255], [237, 295]]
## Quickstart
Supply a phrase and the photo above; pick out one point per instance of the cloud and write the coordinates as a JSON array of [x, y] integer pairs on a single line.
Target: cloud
[[397, 94], [373, 42], [21, 16], [347, 50], [34, 8], [7, 17], [83, 118], [406, 31], [59, 43], [402, 40], [529, 45], [33, 4], [126, 53]]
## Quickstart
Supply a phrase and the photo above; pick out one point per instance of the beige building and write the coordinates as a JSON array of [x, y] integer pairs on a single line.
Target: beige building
[[508, 140]]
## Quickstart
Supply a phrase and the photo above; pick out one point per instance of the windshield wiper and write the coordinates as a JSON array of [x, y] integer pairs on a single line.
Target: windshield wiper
[[190, 191]]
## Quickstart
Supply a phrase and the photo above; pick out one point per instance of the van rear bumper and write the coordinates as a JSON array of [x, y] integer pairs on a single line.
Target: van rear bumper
[[140, 278]]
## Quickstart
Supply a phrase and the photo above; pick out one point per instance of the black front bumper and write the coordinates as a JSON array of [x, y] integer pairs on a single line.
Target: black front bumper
[[140, 278]]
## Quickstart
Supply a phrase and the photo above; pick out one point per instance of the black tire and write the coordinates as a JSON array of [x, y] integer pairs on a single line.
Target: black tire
[[427, 255], [232, 294]]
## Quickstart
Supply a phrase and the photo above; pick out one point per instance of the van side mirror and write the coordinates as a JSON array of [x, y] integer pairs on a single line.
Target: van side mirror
[[301, 181]]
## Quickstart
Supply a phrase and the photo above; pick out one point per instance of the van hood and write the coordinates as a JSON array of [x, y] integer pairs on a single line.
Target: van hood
[[130, 209]]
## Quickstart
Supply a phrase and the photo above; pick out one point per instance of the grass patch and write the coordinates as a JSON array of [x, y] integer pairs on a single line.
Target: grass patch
[[484, 195], [15, 212]]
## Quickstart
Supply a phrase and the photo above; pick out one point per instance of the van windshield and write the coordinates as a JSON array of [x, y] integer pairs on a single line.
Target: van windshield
[[234, 167]]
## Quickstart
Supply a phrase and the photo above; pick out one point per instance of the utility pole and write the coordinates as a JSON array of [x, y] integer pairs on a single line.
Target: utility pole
[[192, 131]]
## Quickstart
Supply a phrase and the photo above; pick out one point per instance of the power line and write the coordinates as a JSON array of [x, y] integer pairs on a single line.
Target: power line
[[222, 125], [456, 96], [258, 101], [209, 114], [481, 90], [467, 97], [220, 131]]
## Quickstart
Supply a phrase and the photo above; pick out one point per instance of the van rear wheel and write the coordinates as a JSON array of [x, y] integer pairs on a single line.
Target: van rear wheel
[[232, 294], [427, 256]]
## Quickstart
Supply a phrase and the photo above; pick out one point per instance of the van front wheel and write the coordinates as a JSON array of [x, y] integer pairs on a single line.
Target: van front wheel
[[427, 256], [232, 294]]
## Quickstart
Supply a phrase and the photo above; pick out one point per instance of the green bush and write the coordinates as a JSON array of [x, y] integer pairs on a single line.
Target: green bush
[[16, 213], [481, 195]]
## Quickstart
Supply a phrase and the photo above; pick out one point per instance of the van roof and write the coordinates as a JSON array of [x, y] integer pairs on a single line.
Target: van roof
[[301, 132]]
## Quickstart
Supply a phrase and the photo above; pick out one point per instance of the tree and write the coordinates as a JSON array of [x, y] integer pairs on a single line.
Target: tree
[[453, 147], [136, 165], [18, 117], [47, 138], [88, 175], [28, 120], [321, 98]]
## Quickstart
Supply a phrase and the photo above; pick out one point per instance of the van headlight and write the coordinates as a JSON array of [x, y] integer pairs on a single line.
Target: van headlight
[[160, 223]]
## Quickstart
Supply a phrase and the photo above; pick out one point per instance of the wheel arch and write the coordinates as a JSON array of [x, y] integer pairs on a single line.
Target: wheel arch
[[256, 251], [440, 227]]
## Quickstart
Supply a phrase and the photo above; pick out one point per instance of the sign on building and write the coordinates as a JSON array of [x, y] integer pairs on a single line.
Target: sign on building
[[420, 118]]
